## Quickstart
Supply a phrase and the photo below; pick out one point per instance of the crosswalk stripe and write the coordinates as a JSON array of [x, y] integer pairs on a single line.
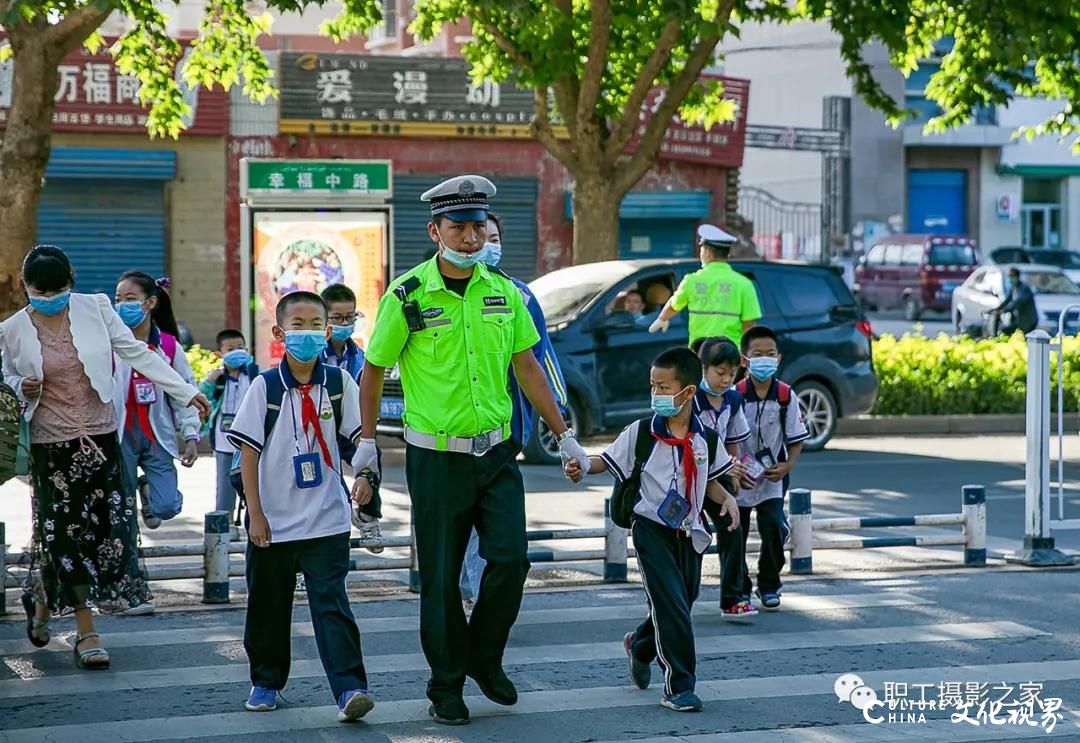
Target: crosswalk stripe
[[937, 730], [374, 625], [742, 642], [554, 701]]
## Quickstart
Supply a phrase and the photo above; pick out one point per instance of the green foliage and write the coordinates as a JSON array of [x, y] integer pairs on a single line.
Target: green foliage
[[203, 361], [961, 376], [225, 52]]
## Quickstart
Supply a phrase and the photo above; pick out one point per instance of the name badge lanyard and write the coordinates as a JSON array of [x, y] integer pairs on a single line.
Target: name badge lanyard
[[307, 466]]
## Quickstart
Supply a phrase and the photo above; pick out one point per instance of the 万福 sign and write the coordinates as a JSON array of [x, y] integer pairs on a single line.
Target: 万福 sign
[[316, 177]]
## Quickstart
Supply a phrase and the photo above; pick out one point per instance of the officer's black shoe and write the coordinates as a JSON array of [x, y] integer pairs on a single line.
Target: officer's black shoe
[[496, 687], [449, 711]]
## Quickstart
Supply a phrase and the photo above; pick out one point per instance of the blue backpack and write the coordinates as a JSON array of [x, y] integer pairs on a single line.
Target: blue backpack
[[275, 393]]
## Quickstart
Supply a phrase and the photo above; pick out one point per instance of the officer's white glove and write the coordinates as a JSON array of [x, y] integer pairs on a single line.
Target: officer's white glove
[[570, 450], [659, 326], [366, 457]]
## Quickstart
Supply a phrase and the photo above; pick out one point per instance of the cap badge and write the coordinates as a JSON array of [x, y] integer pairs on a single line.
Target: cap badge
[[466, 187]]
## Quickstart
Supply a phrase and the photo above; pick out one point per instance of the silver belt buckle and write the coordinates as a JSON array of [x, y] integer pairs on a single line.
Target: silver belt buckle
[[481, 444]]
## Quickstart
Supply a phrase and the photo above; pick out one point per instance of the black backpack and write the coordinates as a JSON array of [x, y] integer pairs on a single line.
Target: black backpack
[[628, 492]]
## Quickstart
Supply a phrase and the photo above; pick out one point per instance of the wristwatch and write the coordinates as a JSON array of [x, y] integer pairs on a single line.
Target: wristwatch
[[567, 434], [371, 477]]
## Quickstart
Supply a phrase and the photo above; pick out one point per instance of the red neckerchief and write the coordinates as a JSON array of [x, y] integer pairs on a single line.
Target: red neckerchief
[[309, 415], [136, 412], [689, 465]]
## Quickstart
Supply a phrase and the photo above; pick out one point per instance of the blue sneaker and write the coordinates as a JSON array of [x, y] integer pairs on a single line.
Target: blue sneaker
[[770, 600], [640, 673], [352, 705], [261, 699], [688, 701]]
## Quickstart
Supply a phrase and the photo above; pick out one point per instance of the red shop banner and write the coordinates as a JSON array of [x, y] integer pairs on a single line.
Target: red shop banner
[[720, 144], [94, 96]]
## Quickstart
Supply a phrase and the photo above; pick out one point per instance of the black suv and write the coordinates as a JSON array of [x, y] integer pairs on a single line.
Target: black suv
[[605, 354]]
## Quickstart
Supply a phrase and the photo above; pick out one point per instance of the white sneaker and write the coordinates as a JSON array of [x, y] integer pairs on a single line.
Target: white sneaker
[[370, 534], [140, 610], [301, 584]]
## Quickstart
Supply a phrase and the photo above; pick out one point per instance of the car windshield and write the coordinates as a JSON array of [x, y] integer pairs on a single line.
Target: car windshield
[[952, 255], [1044, 282], [564, 293], [1060, 258]]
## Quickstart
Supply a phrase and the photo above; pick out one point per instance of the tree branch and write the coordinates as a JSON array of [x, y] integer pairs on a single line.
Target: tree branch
[[566, 7], [505, 44], [541, 129], [74, 28], [566, 98], [596, 63], [661, 55]]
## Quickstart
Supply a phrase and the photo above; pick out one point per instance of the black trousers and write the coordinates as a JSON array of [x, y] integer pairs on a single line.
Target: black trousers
[[773, 529], [271, 582], [671, 575], [451, 494], [731, 549]]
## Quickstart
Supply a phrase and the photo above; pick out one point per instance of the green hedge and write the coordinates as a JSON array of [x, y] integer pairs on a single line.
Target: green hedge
[[961, 376]]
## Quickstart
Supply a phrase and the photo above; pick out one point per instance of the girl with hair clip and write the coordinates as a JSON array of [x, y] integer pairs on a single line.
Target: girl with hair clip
[[58, 355], [148, 419]]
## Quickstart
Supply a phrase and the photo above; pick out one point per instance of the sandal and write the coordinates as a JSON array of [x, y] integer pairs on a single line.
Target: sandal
[[91, 659], [35, 627]]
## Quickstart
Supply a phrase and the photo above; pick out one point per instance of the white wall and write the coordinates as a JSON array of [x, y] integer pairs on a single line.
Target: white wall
[[994, 232], [1042, 150], [791, 69]]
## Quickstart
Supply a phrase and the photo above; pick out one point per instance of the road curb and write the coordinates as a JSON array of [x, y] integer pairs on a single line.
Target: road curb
[[913, 425]]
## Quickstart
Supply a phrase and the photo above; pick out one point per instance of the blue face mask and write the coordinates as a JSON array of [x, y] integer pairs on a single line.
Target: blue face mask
[[492, 254], [132, 313], [459, 260], [762, 368], [342, 333], [305, 345], [709, 390], [664, 405], [53, 305], [237, 359]]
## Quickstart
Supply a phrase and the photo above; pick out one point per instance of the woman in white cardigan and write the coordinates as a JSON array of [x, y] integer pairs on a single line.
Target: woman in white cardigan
[[58, 355]]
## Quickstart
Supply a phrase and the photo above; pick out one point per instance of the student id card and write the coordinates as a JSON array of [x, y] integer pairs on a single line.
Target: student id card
[[674, 510], [754, 468], [145, 392], [307, 470]]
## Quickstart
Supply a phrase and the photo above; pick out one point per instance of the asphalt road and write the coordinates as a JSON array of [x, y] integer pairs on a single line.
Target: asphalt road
[[893, 323]]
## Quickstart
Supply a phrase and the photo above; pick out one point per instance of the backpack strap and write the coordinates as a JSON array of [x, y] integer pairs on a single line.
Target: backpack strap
[[275, 393], [335, 389], [712, 440], [783, 397], [168, 345], [643, 443], [742, 386]]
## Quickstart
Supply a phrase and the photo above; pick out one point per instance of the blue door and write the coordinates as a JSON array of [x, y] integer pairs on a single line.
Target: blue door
[[937, 202]]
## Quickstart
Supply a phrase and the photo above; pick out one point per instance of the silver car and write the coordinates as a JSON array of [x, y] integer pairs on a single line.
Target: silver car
[[986, 288]]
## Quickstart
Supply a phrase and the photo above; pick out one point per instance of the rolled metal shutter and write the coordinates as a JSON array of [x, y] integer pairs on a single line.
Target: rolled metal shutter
[[106, 209], [515, 203]]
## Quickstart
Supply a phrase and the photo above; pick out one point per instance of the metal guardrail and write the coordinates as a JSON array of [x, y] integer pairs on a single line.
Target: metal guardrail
[[217, 568]]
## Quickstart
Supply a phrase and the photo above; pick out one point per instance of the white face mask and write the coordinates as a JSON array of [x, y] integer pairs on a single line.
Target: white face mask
[[455, 258]]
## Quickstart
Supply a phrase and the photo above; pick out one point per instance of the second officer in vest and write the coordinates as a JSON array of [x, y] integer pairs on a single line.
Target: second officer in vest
[[720, 301], [454, 327]]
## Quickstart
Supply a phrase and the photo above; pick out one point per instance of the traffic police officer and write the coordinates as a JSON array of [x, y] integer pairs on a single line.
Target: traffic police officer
[[721, 301], [454, 327]]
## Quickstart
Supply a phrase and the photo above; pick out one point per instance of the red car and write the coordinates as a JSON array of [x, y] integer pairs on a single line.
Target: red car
[[916, 272]]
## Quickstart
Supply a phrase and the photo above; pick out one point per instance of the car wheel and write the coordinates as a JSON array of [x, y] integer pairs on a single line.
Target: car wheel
[[542, 448], [958, 323], [818, 407], [912, 311]]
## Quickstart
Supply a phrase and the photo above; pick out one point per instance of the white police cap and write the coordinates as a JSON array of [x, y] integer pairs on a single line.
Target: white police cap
[[713, 235], [462, 199]]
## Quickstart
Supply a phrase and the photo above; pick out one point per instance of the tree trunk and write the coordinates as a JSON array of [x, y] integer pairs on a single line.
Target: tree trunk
[[23, 157], [596, 219]]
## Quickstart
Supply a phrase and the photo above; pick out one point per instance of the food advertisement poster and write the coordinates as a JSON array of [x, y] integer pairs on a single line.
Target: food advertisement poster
[[309, 251]]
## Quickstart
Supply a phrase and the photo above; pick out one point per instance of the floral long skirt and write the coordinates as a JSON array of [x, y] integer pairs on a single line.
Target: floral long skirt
[[85, 545]]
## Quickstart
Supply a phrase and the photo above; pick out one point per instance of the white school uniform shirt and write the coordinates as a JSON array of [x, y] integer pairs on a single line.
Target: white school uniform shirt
[[231, 397], [664, 465], [763, 416], [167, 416], [729, 421], [295, 513]]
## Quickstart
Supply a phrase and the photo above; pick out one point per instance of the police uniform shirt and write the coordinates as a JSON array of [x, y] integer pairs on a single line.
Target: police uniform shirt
[[231, 397], [719, 299], [295, 513], [664, 465], [729, 421], [454, 372], [763, 416]]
